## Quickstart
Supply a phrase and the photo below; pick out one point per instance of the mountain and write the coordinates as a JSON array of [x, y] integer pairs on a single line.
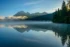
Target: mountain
[[46, 17], [35, 16], [22, 13], [38, 14]]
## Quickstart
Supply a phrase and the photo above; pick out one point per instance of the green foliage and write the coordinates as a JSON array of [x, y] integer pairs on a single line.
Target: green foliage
[[62, 16]]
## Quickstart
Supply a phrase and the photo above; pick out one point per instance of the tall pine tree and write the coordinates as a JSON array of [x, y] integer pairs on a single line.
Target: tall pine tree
[[64, 9]]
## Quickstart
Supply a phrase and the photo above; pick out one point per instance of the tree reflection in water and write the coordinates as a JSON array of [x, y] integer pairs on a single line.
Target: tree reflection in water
[[60, 30]]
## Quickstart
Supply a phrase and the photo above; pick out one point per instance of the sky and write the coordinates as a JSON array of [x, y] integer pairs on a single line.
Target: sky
[[11, 7]]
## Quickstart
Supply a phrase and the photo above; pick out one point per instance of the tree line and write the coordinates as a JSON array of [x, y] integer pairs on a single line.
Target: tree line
[[62, 15]]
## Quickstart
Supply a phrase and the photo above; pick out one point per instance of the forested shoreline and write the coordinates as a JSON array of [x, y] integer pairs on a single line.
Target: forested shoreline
[[62, 15]]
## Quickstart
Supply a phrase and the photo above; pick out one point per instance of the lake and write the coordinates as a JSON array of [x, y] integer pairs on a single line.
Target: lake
[[34, 34]]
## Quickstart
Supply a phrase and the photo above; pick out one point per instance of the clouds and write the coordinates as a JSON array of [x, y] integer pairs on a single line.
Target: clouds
[[33, 2], [43, 5], [38, 10], [12, 6], [43, 10]]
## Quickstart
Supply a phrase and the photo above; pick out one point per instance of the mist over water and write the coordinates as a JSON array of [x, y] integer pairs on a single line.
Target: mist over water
[[34, 34]]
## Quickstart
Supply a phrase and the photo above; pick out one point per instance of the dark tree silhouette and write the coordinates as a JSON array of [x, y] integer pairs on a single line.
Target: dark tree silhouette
[[63, 15]]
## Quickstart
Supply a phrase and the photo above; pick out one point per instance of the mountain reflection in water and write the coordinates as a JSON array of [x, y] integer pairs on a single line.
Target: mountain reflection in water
[[61, 31]]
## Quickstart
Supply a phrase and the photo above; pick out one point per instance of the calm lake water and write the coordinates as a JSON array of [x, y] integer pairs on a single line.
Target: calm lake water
[[34, 34]]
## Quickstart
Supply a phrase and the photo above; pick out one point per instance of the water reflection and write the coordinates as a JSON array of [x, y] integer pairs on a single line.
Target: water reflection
[[60, 30], [13, 26]]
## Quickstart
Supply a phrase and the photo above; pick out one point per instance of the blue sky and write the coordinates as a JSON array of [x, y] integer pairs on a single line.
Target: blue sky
[[10, 7]]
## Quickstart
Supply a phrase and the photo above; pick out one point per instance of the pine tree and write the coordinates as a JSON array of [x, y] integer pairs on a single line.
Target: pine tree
[[62, 16], [64, 9]]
